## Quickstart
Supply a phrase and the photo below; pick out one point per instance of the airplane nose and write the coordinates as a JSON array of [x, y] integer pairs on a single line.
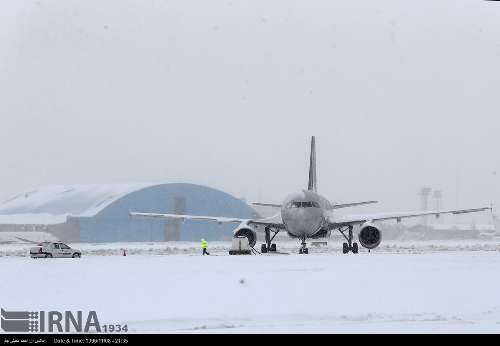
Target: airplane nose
[[302, 223]]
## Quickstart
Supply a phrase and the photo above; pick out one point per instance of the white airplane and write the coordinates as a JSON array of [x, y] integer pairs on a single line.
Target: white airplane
[[308, 215]]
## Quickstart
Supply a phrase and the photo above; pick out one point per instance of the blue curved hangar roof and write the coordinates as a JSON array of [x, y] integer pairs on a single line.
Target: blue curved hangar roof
[[100, 213]]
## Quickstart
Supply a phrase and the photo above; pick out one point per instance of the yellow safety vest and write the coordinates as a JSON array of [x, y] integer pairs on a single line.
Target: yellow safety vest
[[204, 244]]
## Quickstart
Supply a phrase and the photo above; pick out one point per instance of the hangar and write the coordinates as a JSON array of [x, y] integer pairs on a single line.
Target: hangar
[[100, 213]]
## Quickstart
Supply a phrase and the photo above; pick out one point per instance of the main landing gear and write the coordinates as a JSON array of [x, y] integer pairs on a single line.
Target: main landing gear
[[349, 246], [269, 246]]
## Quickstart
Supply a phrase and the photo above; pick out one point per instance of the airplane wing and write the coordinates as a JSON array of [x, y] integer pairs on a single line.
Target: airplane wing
[[273, 221], [347, 205], [357, 220], [334, 206], [273, 205], [28, 241]]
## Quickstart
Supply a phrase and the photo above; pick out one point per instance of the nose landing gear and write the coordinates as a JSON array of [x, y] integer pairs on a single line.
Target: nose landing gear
[[303, 247]]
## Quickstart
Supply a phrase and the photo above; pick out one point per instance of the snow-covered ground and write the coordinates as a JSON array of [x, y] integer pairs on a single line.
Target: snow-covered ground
[[176, 248], [403, 287]]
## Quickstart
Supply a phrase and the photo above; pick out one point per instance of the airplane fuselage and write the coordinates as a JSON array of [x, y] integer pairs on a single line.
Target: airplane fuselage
[[304, 213]]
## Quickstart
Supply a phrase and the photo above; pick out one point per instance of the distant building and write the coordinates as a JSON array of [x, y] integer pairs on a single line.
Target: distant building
[[100, 213], [459, 231]]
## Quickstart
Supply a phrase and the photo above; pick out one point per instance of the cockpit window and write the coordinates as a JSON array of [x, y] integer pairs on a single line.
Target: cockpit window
[[303, 205]]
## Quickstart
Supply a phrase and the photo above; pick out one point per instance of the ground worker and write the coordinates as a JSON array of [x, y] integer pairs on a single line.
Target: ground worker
[[204, 246]]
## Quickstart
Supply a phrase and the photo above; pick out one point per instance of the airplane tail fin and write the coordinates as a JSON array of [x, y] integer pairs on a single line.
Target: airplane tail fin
[[312, 167]]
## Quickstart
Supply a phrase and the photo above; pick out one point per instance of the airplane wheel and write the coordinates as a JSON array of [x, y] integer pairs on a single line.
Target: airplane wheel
[[301, 251], [345, 248], [263, 248], [273, 248], [355, 248], [306, 251]]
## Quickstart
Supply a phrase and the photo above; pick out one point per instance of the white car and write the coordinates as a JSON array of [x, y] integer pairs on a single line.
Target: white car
[[53, 249]]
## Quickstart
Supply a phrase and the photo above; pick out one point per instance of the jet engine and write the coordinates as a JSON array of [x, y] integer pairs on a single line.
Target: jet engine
[[245, 230], [369, 236]]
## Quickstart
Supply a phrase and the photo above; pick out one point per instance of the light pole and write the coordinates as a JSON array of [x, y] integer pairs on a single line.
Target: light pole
[[425, 192]]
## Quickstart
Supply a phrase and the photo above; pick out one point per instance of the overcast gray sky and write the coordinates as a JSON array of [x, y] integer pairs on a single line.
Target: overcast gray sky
[[400, 94]]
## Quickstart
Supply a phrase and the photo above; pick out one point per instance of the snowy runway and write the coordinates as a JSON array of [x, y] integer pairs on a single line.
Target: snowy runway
[[325, 292]]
